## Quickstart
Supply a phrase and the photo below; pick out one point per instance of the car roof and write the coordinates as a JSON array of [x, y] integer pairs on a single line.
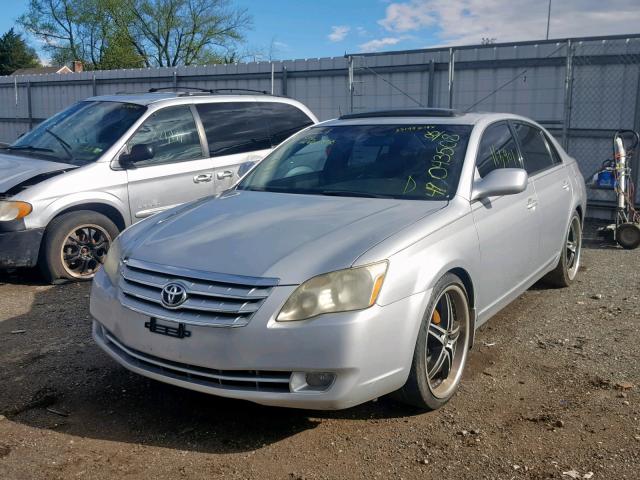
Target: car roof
[[422, 116]]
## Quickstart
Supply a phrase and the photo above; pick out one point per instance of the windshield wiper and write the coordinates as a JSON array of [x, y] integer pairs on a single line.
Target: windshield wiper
[[65, 145], [28, 147], [349, 193]]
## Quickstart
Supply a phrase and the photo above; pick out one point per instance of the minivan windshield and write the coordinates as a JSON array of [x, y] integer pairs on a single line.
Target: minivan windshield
[[415, 162], [80, 134]]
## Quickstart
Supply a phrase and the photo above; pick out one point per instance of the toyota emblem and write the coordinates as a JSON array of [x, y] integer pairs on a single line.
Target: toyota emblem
[[173, 295]]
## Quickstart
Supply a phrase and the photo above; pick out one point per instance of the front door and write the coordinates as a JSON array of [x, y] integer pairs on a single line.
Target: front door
[[507, 225], [177, 172]]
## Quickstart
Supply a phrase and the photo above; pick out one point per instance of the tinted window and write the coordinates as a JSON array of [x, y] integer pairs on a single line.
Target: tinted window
[[535, 153], [417, 162], [172, 134], [554, 152], [81, 133], [234, 127], [283, 120], [497, 149]]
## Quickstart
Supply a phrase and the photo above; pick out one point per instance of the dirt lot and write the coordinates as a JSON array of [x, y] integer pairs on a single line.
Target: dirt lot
[[551, 391]]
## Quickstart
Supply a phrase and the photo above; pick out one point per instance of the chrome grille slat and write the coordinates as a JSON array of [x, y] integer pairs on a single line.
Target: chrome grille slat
[[217, 300]]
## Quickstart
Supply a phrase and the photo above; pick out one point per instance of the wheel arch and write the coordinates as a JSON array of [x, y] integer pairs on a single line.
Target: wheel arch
[[105, 209], [465, 277]]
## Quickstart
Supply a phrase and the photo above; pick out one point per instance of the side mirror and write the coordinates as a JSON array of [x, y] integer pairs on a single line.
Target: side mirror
[[138, 153], [502, 181]]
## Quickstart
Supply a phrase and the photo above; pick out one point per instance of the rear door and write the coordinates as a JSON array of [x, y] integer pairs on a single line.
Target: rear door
[[178, 171], [553, 187], [237, 135], [507, 225]]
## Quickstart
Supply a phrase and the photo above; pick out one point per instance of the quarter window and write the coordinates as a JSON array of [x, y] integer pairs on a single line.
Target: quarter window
[[534, 149], [172, 134], [283, 120], [497, 150], [233, 127]]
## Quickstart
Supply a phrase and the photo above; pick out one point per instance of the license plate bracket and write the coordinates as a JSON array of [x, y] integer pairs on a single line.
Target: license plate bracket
[[177, 332]]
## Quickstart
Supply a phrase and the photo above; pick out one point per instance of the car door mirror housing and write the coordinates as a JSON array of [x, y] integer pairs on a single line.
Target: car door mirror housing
[[502, 181], [138, 153]]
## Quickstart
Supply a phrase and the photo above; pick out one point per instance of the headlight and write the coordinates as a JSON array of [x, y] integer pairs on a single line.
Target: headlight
[[341, 291], [13, 210], [112, 263]]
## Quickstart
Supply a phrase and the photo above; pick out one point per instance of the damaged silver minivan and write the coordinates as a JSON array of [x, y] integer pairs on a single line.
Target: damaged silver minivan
[[68, 187]]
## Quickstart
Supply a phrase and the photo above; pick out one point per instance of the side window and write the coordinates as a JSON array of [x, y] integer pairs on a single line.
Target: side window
[[497, 149], [172, 135], [233, 127], [283, 120], [535, 153]]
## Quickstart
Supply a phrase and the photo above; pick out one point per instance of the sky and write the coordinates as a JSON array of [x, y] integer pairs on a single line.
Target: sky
[[291, 29]]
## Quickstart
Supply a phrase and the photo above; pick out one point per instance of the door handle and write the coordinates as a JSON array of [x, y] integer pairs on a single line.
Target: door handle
[[566, 185], [532, 204], [225, 174], [202, 178]]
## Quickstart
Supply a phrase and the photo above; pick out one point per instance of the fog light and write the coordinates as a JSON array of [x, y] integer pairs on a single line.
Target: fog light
[[319, 379]]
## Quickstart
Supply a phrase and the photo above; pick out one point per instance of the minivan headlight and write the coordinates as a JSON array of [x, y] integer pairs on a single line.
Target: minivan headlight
[[12, 210], [345, 290], [112, 263]]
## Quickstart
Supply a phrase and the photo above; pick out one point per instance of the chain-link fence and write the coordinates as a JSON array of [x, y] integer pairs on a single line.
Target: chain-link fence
[[582, 90]]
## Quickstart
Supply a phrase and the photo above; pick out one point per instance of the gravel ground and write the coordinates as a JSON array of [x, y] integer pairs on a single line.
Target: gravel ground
[[551, 391]]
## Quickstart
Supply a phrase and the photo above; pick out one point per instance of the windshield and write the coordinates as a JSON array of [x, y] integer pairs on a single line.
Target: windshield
[[418, 162], [81, 133]]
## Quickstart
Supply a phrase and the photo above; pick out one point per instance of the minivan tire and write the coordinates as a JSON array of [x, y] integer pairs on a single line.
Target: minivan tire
[[83, 237], [428, 393]]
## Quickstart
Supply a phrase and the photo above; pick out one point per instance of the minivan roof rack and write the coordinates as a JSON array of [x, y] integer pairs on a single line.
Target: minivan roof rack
[[404, 112], [197, 90]]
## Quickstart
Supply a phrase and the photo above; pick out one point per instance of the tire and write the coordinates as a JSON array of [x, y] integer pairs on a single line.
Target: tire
[[76, 239], [628, 236], [431, 392], [569, 262]]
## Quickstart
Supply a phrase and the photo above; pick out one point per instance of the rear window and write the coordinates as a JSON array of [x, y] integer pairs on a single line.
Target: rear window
[[283, 120], [420, 162], [233, 127]]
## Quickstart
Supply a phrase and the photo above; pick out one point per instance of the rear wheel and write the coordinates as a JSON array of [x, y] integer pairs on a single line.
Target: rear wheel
[[441, 348], [76, 245], [628, 235], [569, 262]]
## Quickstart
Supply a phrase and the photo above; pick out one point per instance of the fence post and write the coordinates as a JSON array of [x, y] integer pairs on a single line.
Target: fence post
[[350, 84], [568, 93], [452, 70], [636, 126], [430, 87], [94, 85], [29, 112], [175, 80], [284, 81]]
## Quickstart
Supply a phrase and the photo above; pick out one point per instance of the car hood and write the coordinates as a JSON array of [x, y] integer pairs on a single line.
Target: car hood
[[263, 234], [15, 169]]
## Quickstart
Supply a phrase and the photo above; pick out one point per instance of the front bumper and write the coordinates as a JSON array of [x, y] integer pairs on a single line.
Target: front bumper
[[369, 351], [20, 248]]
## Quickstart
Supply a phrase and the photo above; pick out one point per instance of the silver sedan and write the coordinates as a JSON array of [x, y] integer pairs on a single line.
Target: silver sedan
[[356, 260]]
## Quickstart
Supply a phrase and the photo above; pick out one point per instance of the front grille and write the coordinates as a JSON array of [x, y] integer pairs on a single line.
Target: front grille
[[216, 300], [248, 380]]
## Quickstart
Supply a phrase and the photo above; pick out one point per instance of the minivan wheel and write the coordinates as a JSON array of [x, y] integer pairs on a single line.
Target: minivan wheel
[[75, 245], [569, 262], [441, 348]]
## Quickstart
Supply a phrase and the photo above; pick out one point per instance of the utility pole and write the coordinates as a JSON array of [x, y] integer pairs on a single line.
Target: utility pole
[[548, 18]]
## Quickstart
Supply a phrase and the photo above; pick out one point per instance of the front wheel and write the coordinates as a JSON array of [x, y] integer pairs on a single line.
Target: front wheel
[[569, 262], [441, 348], [76, 245]]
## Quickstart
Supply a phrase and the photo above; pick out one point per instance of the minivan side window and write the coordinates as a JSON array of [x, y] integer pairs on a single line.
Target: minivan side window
[[173, 135], [533, 146], [283, 120], [497, 149], [233, 127]]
